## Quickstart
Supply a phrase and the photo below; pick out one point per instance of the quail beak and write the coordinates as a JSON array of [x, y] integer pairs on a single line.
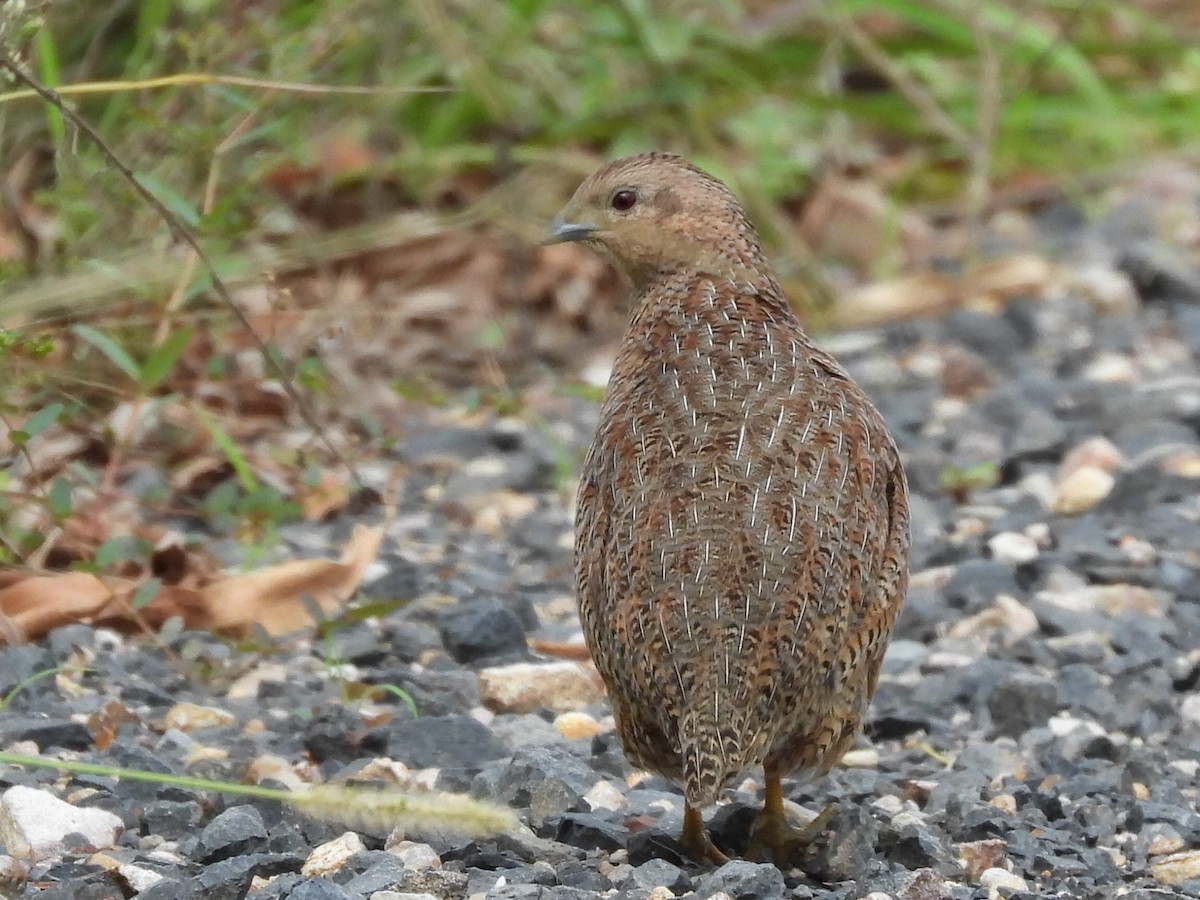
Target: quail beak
[[560, 231]]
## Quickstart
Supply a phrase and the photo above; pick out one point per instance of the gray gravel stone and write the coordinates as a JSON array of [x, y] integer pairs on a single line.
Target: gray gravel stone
[[742, 880], [546, 781], [458, 742], [1020, 702], [482, 630], [235, 832]]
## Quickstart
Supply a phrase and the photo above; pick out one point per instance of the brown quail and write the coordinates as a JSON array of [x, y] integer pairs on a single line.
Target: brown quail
[[742, 540]]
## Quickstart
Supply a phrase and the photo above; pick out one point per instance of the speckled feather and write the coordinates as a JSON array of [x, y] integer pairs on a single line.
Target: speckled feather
[[742, 525]]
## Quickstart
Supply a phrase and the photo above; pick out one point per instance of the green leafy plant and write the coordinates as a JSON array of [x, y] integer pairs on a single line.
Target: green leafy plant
[[354, 691], [151, 371]]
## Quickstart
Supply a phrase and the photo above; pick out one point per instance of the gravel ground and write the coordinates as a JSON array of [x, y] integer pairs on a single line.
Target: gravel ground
[[1034, 734]]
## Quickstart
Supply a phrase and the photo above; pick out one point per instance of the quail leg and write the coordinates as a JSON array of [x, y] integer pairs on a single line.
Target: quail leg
[[773, 837], [696, 839]]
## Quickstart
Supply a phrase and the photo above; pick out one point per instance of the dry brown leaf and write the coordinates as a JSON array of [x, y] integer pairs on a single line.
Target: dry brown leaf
[[910, 296], [199, 476], [106, 721], [576, 650], [989, 284], [274, 597], [323, 499], [852, 218], [1024, 275], [40, 603], [34, 604]]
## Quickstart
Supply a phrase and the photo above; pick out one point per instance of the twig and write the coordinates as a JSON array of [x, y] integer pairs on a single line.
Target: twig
[[210, 193], [189, 79], [912, 90], [987, 120], [181, 232], [50, 538]]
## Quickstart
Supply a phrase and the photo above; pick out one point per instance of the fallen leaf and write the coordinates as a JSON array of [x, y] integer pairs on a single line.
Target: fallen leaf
[[561, 649], [274, 597], [852, 218], [907, 297], [320, 501]]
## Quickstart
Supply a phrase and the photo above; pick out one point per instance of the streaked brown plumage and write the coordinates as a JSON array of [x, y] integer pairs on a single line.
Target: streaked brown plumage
[[742, 539]]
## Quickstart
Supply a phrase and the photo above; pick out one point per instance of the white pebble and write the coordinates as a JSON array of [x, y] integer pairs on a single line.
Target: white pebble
[[415, 855], [1177, 868], [605, 795], [997, 880], [332, 855], [33, 823], [1082, 489], [1189, 709], [1013, 548]]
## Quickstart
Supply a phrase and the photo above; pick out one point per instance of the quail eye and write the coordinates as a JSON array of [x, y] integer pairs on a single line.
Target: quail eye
[[623, 201]]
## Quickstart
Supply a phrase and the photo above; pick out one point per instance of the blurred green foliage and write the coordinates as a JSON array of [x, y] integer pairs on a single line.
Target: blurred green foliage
[[762, 92]]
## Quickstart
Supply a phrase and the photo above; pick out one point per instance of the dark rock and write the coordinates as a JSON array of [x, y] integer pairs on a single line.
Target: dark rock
[[440, 692], [659, 872], [455, 742], [171, 889], [93, 891], [229, 879], [376, 872], [730, 826], [1038, 435], [278, 888], [1020, 702], [66, 641], [1142, 639], [654, 843], [482, 629], [914, 846], [358, 643], [991, 336], [46, 733], [237, 831], [546, 781], [742, 880], [172, 819], [582, 875], [846, 848], [589, 831], [1058, 620], [94, 886], [903, 655], [19, 662], [1159, 274], [441, 883], [922, 615], [403, 580], [976, 583], [410, 641], [1083, 689], [322, 889], [523, 844], [286, 837], [539, 892], [432, 446], [1141, 438], [338, 733]]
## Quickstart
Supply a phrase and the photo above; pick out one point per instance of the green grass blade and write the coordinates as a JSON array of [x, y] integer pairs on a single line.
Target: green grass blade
[[115, 353], [162, 359]]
